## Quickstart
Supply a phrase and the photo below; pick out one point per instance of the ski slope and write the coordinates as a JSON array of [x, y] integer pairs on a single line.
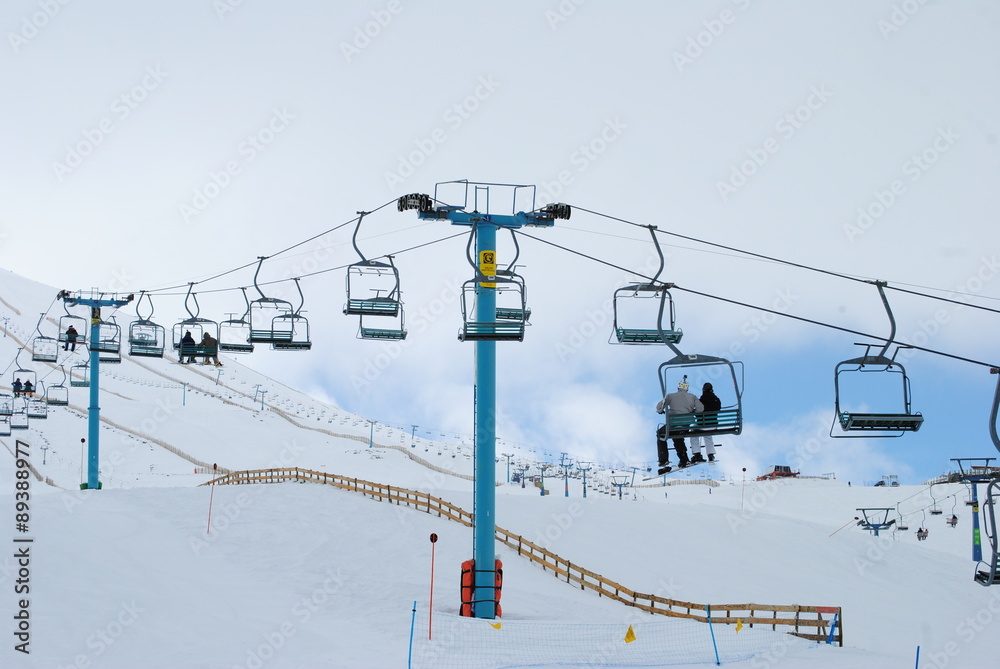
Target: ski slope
[[300, 575]]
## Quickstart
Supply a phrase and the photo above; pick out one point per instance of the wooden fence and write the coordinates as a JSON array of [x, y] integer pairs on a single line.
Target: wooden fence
[[808, 622]]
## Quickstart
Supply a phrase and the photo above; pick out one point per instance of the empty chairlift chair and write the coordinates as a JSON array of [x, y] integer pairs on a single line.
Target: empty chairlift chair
[[58, 394], [109, 341], [43, 348], [373, 294], [643, 313], [234, 333], [79, 375], [896, 421], [297, 327], [146, 339]]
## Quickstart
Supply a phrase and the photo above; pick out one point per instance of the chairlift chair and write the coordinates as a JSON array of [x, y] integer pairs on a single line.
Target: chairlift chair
[[79, 323], [6, 404], [108, 344], [146, 339], [57, 394], [987, 571], [25, 376], [507, 329], [5, 426], [296, 325], [37, 407], [875, 424], [722, 374], [378, 328], [43, 348], [234, 333], [198, 327], [372, 289], [901, 522], [79, 375], [643, 313], [19, 419]]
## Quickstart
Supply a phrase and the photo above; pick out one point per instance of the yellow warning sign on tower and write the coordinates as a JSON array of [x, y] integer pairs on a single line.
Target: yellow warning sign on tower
[[488, 267]]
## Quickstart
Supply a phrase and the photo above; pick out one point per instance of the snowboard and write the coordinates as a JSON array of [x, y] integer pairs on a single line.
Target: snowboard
[[672, 470]]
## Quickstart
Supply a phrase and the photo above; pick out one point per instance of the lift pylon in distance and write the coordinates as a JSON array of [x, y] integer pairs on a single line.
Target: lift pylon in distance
[[899, 418], [146, 339]]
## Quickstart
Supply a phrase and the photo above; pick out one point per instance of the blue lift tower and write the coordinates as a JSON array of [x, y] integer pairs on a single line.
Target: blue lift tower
[[486, 324], [98, 344]]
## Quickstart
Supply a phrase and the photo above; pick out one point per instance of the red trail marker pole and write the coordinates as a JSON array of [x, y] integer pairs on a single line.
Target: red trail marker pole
[[430, 609]]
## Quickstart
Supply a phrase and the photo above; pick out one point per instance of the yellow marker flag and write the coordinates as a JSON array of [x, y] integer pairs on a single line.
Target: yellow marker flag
[[496, 626], [739, 624], [630, 635]]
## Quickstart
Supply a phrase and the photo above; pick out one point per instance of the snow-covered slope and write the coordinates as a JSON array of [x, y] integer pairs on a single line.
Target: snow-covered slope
[[308, 576]]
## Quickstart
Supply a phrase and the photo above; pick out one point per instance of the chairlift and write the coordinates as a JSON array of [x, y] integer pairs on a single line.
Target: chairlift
[[987, 570], [145, 338], [58, 394], [80, 329], [643, 313], [198, 327], [372, 285], [37, 407], [79, 375], [901, 522], [19, 419], [108, 344], [379, 329], [43, 348], [4, 426], [727, 384], [24, 381], [267, 325], [234, 333], [505, 289], [296, 325], [935, 510], [6, 404], [875, 424]]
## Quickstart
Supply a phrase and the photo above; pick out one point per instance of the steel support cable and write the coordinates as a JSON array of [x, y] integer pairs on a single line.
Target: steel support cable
[[783, 262], [322, 271], [285, 250], [764, 309]]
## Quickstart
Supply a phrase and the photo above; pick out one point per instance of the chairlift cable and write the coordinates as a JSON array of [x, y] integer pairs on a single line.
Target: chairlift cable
[[764, 309], [781, 261]]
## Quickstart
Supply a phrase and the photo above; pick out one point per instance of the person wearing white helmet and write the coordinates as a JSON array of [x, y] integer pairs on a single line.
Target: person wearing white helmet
[[680, 402]]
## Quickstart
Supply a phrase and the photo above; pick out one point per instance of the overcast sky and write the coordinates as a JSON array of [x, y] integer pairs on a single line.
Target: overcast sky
[[149, 146]]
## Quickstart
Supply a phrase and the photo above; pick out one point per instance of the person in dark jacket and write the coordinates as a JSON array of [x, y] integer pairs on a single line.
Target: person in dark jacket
[[709, 419], [188, 345]]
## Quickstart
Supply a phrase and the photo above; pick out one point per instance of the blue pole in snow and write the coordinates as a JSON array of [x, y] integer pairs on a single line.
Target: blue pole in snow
[[94, 410], [977, 540], [484, 507]]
